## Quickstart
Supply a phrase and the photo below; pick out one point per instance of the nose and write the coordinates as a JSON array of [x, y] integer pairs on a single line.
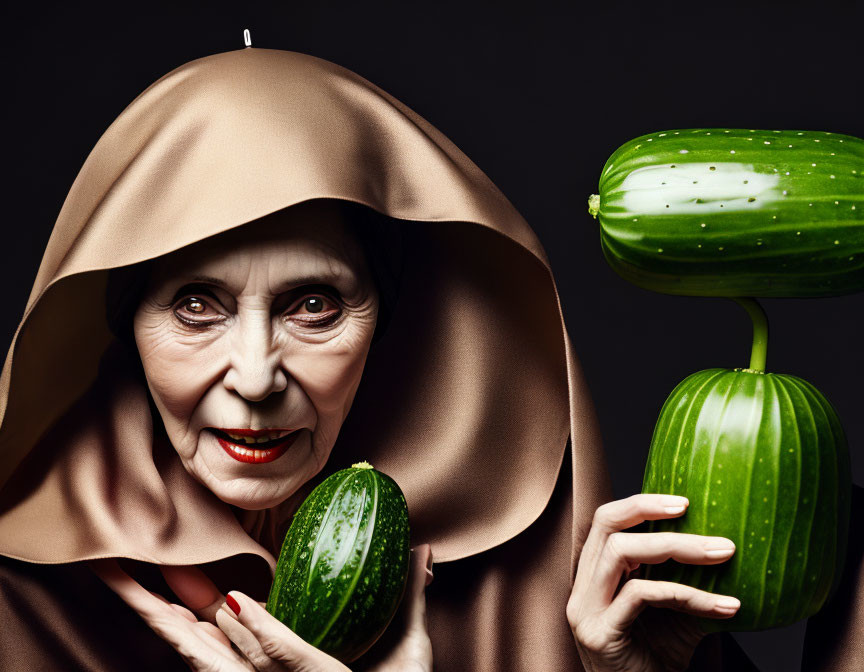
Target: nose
[[255, 370]]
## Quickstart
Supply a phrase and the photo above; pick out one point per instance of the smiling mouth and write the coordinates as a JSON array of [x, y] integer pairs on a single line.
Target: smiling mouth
[[254, 446]]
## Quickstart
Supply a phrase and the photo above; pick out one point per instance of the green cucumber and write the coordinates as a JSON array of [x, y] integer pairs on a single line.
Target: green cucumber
[[732, 212], [343, 566], [763, 459]]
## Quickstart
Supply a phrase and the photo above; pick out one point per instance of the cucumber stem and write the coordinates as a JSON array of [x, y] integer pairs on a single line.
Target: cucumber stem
[[594, 205], [759, 353]]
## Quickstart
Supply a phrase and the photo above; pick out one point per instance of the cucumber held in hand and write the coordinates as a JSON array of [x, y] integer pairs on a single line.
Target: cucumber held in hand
[[729, 212], [763, 459], [343, 566]]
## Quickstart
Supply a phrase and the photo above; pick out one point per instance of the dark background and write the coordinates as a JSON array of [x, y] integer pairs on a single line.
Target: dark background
[[538, 95]]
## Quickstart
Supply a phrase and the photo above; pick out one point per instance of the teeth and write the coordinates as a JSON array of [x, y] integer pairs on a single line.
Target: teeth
[[247, 451], [251, 440]]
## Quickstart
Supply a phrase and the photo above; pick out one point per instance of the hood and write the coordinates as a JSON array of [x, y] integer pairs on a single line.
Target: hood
[[467, 401]]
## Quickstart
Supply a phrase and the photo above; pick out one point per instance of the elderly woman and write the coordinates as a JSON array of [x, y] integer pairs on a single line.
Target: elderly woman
[[267, 269]]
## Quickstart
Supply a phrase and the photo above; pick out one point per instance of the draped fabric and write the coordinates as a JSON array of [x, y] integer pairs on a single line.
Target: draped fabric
[[473, 399], [468, 400]]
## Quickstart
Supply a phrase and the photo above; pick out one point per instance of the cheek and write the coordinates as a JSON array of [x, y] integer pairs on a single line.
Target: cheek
[[330, 376], [177, 373]]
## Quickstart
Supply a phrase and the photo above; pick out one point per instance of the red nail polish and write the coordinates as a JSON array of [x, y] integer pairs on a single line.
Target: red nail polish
[[233, 604]]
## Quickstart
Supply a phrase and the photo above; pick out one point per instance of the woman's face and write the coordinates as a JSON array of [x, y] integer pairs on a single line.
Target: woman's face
[[252, 335]]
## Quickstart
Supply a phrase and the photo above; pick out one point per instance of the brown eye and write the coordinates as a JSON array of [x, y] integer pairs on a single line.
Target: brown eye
[[317, 309], [195, 310], [195, 306], [314, 304]]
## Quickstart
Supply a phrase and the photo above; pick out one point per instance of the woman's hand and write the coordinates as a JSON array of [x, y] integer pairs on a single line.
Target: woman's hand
[[603, 618], [203, 646], [262, 642]]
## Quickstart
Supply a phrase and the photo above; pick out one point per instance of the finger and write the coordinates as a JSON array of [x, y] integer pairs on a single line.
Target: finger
[[184, 612], [640, 593], [192, 643], [245, 641], [214, 632], [619, 515], [419, 576], [129, 590], [624, 549], [277, 641], [195, 589], [159, 597], [623, 513], [413, 647]]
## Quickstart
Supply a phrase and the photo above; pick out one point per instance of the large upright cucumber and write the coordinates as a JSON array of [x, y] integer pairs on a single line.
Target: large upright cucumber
[[764, 461], [735, 212], [343, 566]]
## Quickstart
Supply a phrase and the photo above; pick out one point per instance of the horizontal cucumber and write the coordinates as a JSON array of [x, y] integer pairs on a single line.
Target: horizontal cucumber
[[732, 212]]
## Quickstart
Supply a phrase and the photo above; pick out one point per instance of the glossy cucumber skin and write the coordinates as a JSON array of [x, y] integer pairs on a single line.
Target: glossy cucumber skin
[[763, 460], [736, 212], [343, 566]]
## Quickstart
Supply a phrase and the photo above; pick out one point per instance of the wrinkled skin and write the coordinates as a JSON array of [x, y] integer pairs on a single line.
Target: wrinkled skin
[[606, 610], [248, 353], [265, 326]]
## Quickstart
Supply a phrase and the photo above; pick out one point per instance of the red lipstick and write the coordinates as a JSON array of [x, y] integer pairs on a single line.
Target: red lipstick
[[252, 453]]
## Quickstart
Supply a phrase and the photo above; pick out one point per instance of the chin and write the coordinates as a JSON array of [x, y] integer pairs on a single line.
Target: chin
[[253, 495]]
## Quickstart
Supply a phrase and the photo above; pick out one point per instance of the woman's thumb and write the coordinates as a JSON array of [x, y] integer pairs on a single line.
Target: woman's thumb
[[419, 576]]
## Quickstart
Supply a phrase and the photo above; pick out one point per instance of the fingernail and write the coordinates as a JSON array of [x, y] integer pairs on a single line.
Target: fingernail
[[231, 602], [727, 603], [673, 504], [719, 548]]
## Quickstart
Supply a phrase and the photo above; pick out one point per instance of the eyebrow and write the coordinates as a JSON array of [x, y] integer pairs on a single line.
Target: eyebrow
[[308, 279]]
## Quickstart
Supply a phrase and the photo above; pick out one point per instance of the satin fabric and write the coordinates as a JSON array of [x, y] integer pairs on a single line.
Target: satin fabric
[[468, 401]]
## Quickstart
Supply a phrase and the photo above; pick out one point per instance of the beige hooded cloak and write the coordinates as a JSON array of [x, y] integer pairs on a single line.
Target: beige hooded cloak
[[473, 401]]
